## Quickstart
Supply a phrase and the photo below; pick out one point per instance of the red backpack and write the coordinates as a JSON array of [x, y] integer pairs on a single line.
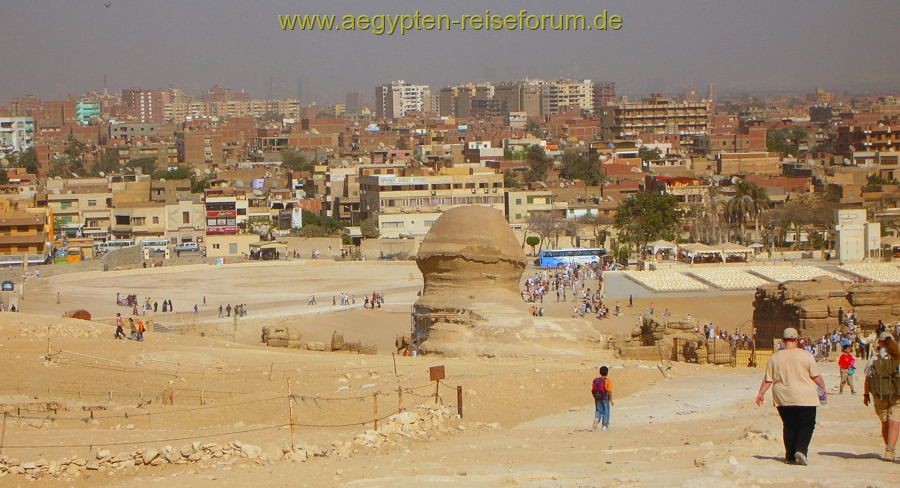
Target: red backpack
[[598, 389]]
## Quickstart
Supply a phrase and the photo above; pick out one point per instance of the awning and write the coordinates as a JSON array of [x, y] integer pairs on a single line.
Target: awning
[[268, 245]]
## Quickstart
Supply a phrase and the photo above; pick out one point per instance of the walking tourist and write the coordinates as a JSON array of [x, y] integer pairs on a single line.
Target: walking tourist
[[793, 375], [847, 364], [882, 388], [601, 389], [120, 327]]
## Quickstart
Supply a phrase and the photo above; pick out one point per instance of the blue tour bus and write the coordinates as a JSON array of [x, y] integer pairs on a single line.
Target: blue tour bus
[[552, 258]]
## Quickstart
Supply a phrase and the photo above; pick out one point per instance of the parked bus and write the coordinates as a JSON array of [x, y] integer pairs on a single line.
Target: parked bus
[[155, 244], [113, 245], [552, 258]]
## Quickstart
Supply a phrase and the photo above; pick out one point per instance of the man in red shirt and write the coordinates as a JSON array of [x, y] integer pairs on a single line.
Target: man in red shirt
[[847, 363]]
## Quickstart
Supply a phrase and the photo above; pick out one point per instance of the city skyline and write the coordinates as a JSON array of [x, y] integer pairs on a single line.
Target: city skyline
[[58, 48]]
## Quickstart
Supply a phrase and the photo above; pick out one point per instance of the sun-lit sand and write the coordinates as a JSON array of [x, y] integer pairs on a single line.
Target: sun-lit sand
[[699, 428]]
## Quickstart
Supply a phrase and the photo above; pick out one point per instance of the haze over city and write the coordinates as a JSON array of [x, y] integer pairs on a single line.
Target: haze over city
[[56, 47]]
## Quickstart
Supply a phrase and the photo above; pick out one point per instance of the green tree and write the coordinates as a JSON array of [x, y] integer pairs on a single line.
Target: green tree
[[581, 167], [369, 228], [534, 128], [648, 154], [532, 241], [510, 180], [28, 160], [538, 164], [74, 153], [785, 141], [179, 173], [108, 163], [59, 167], [146, 165], [748, 202], [646, 217], [294, 160]]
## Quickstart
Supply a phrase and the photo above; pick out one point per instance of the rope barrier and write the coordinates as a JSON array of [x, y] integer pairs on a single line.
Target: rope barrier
[[151, 441]]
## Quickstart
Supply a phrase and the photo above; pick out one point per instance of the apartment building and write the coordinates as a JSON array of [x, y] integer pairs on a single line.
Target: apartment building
[[407, 206], [604, 95], [87, 110], [519, 205], [566, 95], [165, 155], [226, 210], [138, 220], [398, 98], [870, 138], [16, 134], [659, 116], [23, 233], [146, 105], [81, 211]]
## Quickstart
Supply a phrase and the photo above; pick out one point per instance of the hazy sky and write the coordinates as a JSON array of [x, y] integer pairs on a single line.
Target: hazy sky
[[54, 47]]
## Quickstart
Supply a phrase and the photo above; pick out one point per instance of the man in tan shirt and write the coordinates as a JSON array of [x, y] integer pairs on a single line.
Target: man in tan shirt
[[794, 377]]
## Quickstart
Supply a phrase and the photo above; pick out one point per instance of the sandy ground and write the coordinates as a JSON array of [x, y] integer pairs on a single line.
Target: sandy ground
[[691, 430]]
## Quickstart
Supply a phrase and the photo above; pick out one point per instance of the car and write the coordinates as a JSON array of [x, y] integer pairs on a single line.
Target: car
[[187, 247]]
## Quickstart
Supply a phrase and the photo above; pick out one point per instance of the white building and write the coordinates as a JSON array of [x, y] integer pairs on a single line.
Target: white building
[[856, 239], [565, 95], [16, 134], [398, 98]]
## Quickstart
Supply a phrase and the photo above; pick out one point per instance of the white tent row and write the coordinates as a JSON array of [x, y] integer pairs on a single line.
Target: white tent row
[[695, 250]]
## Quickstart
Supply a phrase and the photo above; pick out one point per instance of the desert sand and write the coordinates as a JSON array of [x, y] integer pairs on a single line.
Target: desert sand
[[526, 419]]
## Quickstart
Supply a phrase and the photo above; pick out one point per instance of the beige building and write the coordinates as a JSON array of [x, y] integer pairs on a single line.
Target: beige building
[[224, 246], [138, 219], [83, 212], [565, 95], [407, 206], [659, 116], [755, 163], [520, 204], [185, 221]]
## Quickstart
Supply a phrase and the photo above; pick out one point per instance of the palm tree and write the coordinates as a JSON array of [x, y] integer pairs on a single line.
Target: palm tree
[[748, 201]]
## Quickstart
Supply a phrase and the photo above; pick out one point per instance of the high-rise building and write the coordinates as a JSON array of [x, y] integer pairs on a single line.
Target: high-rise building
[[398, 98], [565, 95], [85, 110], [16, 134], [604, 95], [660, 116], [353, 102], [147, 105]]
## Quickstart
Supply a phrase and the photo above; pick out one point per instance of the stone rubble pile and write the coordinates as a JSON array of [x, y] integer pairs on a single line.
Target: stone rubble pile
[[416, 423]]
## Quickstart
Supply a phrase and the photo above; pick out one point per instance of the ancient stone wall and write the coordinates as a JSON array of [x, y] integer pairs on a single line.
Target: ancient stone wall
[[812, 307]]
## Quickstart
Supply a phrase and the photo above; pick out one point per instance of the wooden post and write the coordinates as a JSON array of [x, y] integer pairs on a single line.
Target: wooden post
[[271, 367], [201, 397], [437, 388], [291, 414], [375, 398], [399, 398], [3, 432], [109, 395], [394, 358], [459, 404]]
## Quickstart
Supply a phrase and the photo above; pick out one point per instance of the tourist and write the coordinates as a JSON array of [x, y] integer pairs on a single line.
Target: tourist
[[155, 306], [793, 375], [228, 310], [601, 389], [311, 300], [221, 313], [630, 301], [141, 328], [120, 327], [196, 310], [882, 380], [847, 365], [133, 328]]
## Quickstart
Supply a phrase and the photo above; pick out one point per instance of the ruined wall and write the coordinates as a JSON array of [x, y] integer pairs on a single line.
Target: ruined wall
[[812, 307]]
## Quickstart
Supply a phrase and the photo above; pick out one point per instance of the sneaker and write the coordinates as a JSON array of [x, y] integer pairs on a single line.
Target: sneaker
[[889, 454], [800, 458], [605, 427]]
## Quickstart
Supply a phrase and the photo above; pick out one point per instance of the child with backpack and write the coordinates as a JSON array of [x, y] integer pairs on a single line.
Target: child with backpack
[[601, 390]]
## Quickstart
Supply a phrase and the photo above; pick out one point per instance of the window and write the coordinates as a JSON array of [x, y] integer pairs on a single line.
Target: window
[[92, 203], [215, 246], [518, 201], [138, 220], [64, 205], [155, 220], [232, 248], [185, 217]]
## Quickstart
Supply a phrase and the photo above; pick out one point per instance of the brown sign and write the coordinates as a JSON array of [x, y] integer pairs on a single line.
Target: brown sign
[[437, 373]]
